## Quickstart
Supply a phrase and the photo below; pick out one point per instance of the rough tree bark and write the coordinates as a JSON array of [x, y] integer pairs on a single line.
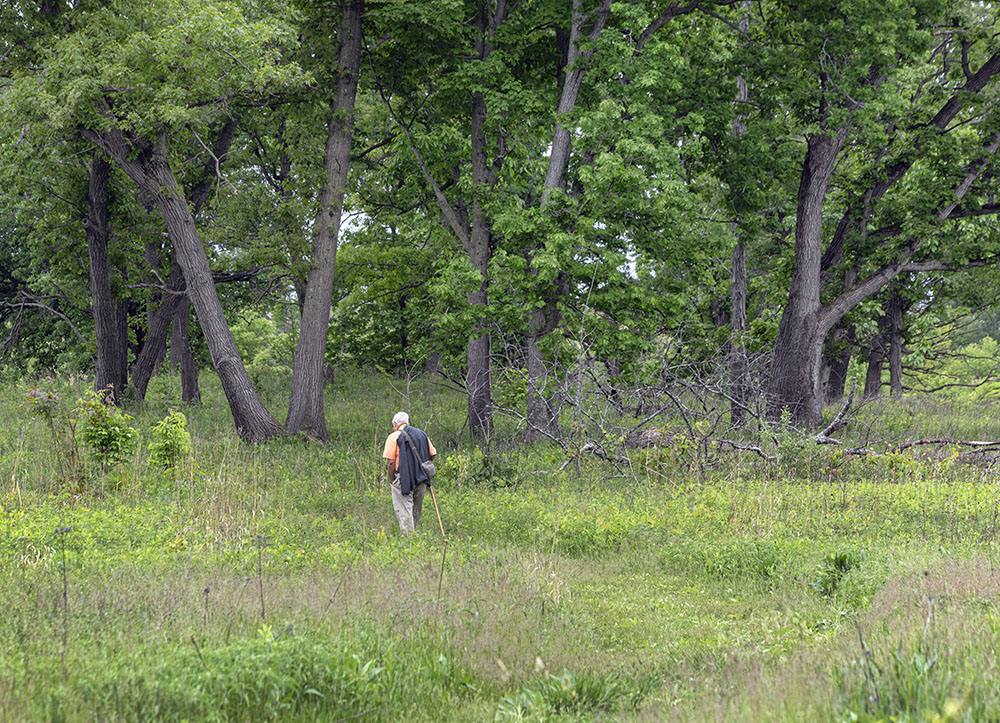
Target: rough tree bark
[[305, 409], [145, 162], [479, 248], [109, 315], [795, 369]]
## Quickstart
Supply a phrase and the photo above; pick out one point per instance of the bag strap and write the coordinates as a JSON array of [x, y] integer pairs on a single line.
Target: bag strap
[[416, 450]]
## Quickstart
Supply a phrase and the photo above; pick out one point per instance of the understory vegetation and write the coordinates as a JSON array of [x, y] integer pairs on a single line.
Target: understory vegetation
[[181, 575]]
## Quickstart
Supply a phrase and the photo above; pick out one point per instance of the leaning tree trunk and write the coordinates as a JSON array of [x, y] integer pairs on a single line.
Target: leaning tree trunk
[[109, 316], [253, 422], [146, 164], [305, 410]]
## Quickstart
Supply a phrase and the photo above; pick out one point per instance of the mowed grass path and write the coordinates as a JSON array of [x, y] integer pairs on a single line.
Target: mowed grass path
[[271, 583]]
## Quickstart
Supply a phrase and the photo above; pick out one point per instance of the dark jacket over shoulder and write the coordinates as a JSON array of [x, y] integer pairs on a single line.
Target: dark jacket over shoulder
[[410, 472]]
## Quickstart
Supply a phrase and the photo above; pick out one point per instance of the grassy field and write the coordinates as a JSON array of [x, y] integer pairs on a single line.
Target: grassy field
[[271, 583]]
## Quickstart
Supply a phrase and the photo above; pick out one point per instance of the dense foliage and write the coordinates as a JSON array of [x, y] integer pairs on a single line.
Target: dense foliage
[[525, 192]]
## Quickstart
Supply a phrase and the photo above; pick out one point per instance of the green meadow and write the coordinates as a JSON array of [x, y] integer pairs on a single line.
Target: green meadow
[[271, 583]]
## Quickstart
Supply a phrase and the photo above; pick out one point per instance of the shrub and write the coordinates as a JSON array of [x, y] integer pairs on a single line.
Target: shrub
[[171, 445], [106, 430]]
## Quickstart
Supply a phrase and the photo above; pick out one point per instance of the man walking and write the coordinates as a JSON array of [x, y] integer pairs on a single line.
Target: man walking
[[404, 451]]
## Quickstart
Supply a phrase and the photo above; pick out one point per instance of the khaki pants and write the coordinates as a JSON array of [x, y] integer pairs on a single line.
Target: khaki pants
[[408, 507]]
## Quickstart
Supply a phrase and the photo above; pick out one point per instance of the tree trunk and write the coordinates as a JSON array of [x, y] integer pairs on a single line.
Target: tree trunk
[[837, 364], [181, 354], [794, 380], [542, 416], [894, 312], [305, 409], [253, 422], [873, 377], [478, 379], [160, 320], [738, 366], [153, 253], [109, 316]]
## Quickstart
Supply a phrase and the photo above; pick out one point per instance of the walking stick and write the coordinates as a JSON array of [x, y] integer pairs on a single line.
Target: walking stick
[[438, 514], [444, 551]]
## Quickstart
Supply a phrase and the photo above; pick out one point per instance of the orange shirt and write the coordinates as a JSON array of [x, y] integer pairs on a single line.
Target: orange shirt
[[391, 450]]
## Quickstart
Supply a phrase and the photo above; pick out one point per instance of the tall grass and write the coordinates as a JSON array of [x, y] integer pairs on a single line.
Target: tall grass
[[271, 583]]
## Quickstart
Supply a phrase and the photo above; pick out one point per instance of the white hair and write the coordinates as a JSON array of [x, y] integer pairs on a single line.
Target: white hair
[[400, 418]]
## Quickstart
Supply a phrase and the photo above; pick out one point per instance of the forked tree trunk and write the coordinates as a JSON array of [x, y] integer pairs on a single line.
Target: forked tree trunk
[[153, 348], [305, 409], [146, 164], [794, 382], [109, 315], [805, 322]]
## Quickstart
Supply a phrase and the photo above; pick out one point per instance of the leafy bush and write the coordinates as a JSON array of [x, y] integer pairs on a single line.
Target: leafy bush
[[106, 430], [171, 445]]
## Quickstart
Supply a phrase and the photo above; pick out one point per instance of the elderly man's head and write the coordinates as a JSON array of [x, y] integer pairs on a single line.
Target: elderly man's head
[[400, 419]]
